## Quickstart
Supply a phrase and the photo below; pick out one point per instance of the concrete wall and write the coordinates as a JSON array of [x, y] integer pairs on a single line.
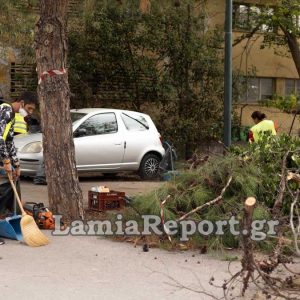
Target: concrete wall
[[216, 12]]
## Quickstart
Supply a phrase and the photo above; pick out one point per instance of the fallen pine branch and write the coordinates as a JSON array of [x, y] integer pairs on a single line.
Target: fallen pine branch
[[282, 186], [207, 204], [258, 273], [295, 229], [197, 160], [162, 216], [270, 264], [293, 176]]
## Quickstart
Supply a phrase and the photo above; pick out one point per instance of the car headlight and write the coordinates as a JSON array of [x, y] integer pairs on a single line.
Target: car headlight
[[35, 147]]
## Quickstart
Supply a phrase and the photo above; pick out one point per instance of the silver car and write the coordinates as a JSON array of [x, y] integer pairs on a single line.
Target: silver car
[[106, 140]]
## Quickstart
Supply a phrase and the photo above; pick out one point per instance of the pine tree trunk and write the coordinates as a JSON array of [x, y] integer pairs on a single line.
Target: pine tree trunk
[[65, 195], [295, 51], [294, 47]]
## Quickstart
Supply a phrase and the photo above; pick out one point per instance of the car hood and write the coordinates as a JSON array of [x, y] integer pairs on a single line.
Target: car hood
[[23, 139]]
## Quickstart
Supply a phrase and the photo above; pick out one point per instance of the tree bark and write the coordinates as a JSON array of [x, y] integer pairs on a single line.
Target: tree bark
[[295, 51], [65, 195], [248, 258], [294, 47]]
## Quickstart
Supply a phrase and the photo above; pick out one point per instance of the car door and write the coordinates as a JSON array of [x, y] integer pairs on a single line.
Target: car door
[[137, 138], [99, 144]]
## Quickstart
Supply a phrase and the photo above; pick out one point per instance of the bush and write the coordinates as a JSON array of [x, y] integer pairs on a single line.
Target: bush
[[286, 104]]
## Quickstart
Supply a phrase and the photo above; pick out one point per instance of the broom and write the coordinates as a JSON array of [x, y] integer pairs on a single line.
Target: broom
[[31, 233]]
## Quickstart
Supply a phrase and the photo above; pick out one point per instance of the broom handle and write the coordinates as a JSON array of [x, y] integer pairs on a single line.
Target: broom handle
[[16, 194], [15, 200]]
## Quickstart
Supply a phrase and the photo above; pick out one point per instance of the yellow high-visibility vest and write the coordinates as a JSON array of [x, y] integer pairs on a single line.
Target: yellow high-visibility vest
[[263, 126], [20, 124], [8, 126]]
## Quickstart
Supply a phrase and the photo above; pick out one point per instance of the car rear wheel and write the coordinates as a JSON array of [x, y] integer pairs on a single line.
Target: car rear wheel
[[149, 166]]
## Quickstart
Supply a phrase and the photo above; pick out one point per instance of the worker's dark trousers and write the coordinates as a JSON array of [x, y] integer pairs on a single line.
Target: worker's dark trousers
[[7, 199]]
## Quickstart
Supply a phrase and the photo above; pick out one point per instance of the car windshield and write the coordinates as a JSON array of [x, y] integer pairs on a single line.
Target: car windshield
[[75, 117]]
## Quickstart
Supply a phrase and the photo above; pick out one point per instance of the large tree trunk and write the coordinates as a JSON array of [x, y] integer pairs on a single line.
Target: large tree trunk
[[294, 47], [65, 195], [295, 51]]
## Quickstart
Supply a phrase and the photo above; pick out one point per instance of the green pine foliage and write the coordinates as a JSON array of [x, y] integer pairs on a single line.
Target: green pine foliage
[[255, 171], [268, 155], [194, 188]]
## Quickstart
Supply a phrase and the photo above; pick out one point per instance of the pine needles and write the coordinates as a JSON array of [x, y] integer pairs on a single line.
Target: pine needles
[[193, 188]]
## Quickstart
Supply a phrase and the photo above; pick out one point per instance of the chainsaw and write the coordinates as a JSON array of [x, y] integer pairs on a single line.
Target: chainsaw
[[41, 214]]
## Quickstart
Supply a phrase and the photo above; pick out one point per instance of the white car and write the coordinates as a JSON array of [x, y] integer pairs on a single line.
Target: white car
[[106, 140]]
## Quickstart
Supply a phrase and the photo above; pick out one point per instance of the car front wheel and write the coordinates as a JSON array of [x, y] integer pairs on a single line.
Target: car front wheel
[[149, 166]]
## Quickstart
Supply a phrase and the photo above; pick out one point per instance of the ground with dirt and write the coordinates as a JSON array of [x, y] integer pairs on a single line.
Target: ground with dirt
[[77, 267], [130, 185], [97, 268]]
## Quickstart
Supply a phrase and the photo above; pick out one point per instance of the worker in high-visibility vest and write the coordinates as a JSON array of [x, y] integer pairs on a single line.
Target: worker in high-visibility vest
[[261, 126], [21, 125], [8, 155]]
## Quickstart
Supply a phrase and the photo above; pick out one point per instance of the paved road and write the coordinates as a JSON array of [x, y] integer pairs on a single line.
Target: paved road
[[97, 268], [131, 186]]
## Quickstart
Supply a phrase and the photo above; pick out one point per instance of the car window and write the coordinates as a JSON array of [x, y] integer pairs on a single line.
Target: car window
[[76, 117], [100, 124], [134, 122]]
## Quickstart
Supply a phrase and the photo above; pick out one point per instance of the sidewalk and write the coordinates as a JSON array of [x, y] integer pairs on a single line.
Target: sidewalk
[[97, 268]]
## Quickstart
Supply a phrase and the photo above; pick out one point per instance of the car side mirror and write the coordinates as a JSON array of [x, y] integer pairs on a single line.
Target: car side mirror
[[80, 132]]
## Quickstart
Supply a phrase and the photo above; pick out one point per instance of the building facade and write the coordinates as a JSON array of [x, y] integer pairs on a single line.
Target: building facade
[[267, 71]]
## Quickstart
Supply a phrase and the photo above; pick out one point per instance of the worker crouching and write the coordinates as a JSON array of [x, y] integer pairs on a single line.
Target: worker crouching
[[262, 126]]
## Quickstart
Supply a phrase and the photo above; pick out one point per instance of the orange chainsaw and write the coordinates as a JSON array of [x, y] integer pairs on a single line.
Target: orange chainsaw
[[41, 214]]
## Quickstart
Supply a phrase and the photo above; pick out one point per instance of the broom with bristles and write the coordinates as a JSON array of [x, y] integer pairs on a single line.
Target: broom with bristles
[[32, 235]]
